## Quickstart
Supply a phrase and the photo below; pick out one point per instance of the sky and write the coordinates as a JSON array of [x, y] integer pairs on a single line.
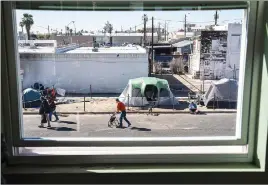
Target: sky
[[93, 20]]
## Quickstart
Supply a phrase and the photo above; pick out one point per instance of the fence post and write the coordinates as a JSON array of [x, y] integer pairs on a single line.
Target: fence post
[[90, 91], [173, 103], [128, 101], [214, 102], [141, 101], [84, 104]]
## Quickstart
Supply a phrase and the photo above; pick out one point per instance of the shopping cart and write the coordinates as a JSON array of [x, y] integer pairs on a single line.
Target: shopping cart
[[113, 121]]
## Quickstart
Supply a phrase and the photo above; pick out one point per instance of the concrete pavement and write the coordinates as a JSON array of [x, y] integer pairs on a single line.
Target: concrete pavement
[[163, 125]]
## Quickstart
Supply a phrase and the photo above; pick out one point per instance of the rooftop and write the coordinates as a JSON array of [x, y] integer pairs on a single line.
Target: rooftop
[[182, 43], [28, 49], [126, 49], [123, 34]]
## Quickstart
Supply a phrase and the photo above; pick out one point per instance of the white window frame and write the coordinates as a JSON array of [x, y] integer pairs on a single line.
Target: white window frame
[[248, 116]]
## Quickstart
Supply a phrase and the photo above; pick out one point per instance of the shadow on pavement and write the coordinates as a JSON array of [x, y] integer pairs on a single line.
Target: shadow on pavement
[[67, 122], [182, 105], [141, 129], [61, 129]]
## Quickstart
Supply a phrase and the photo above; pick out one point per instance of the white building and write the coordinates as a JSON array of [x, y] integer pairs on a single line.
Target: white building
[[75, 70], [223, 61], [121, 38]]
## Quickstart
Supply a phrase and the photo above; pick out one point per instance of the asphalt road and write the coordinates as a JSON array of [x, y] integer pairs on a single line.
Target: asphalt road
[[163, 125]]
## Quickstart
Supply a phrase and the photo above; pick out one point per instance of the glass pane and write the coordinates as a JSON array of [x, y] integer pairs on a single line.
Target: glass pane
[[75, 64]]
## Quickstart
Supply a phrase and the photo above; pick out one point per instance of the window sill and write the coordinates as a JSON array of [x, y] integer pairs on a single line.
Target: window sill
[[56, 169]]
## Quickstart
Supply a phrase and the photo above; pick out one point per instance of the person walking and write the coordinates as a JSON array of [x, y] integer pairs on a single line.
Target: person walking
[[44, 112], [52, 110], [122, 108]]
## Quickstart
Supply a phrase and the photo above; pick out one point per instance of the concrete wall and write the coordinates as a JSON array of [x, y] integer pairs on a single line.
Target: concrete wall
[[194, 63], [86, 40], [105, 74], [233, 50]]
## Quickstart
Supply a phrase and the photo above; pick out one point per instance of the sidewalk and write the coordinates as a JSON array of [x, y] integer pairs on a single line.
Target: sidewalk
[[108, 105]]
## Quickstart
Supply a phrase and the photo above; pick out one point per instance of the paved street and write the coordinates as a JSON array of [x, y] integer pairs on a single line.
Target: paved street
[[163, 125]]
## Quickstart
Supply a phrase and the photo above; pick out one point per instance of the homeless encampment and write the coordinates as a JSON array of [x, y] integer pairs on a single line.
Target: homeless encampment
[[31, 98], [141, 91], [222, 94]]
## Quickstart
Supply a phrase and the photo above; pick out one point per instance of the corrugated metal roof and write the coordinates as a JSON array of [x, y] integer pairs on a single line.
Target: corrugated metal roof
[[182, 43]]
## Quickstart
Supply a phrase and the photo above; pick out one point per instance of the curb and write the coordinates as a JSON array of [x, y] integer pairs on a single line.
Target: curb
[[132, 112]]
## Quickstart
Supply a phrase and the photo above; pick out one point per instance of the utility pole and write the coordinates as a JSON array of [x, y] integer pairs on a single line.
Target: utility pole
[[145, 19], [185, 26], [135, 29], [159, 32], [48, 30], [152, 51], [216, 17], [165, 30]]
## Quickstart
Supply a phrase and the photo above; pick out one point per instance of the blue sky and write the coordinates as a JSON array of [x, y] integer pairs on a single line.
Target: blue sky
[[90, 20]]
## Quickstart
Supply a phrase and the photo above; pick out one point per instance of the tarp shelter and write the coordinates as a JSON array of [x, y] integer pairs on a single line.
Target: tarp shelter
[[31, 98], [142, 91], [222, 94]]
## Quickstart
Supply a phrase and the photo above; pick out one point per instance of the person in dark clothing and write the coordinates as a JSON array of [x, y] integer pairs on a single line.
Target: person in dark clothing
[[52, 109], [193, 108], [44, 112]]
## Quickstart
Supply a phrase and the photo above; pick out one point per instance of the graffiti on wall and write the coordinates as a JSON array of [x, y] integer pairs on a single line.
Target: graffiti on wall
[[213, 54]]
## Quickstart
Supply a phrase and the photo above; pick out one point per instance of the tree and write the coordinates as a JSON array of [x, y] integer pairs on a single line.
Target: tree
[[71, 32], [67, 29], [21, 25], [108, 28], [27, 20]]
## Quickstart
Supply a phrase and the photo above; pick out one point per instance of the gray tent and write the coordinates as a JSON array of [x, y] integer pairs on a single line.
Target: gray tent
[[222, 94]]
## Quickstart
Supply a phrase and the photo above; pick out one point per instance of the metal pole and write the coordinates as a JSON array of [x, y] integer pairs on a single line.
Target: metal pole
[[204, 77], [84, 104], [90, 92], [214, 102], [185, 26], [152, 59], [128, 100], [173, 103]]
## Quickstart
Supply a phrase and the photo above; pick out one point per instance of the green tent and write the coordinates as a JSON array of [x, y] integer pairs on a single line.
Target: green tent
[[142, 91]]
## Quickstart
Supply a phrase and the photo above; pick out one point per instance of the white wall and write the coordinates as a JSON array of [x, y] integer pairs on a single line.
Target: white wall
[[106, 75], [233, 50], [195, 57]]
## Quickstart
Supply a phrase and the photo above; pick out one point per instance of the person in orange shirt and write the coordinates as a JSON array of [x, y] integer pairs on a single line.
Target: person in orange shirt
[[122, 108]]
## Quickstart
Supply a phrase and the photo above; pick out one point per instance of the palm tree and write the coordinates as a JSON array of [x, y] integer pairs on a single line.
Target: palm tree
[[21, 25], [108, 28], [71, 32], [27, 20], [67, 29]]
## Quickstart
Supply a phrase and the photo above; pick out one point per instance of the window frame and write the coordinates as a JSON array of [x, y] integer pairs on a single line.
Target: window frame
[[250, 86]]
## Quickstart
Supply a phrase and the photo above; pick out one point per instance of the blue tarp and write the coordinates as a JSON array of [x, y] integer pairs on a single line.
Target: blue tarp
[[31, 95]]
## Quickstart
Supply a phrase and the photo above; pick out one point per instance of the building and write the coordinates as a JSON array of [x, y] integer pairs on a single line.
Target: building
[[216, 54], [76, 69], [180, 35], [184, 46], [122, 38], [83, 40]]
